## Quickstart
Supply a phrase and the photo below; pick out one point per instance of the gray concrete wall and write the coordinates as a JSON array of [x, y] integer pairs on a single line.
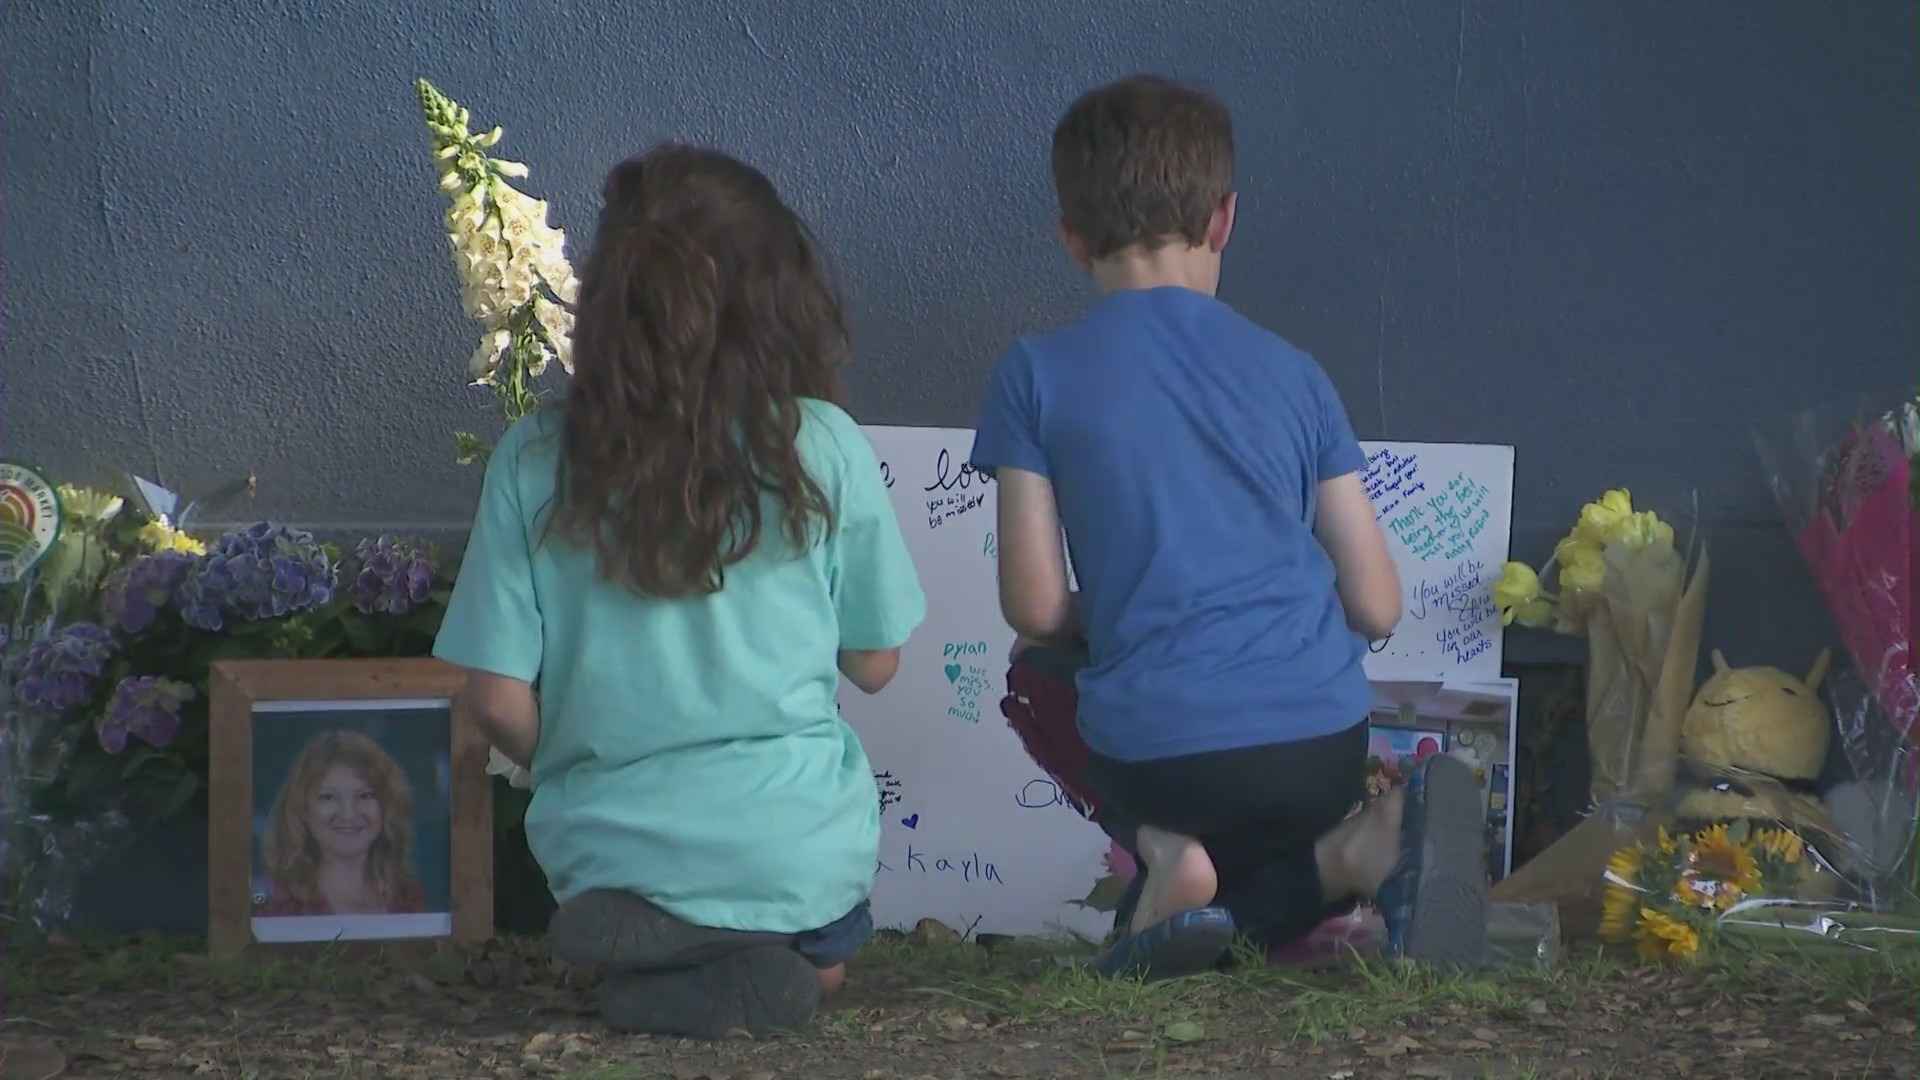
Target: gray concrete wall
[[1613, 233]]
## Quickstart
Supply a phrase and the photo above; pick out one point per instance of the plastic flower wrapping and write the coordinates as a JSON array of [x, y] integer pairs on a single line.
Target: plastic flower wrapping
[[1716, 815], [515, 279], [1618, 580], [1847, 480], [107, 646]]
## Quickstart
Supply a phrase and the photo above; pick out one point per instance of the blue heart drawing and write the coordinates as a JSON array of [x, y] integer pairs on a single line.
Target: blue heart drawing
[[911, 821], [953, 672]]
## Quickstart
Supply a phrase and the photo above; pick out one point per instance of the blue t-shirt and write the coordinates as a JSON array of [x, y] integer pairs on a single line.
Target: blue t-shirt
[[690, 749], [1186, 445]]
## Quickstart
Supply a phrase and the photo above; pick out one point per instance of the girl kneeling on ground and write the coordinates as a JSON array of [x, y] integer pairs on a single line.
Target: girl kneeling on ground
[[684, 559]]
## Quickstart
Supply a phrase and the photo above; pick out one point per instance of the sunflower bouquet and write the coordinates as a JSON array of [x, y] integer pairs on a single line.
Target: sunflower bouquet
[[1674, 895]]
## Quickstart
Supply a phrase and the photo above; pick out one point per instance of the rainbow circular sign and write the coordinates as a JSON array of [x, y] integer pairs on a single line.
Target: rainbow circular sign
[[29, 519]]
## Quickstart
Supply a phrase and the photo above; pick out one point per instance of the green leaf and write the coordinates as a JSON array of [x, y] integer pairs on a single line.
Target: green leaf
[[362, 634], [242, 648], [341, 603], [1184, 1031], [136, 758], [327, 641], [90, 767], [1106, 895], [468, 449], [176, 795], [426, 619]]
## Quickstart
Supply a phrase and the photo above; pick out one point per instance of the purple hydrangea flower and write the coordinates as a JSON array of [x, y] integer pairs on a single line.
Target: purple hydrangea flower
[[58, 671], [394, 574], [201, 596], [146, 707], [137, 593], [264, 571]]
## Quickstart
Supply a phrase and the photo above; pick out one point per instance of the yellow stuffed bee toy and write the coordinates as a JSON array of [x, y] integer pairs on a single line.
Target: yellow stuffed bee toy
[[1754, 741]]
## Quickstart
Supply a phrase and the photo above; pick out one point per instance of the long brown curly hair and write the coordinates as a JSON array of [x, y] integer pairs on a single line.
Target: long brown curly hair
[[289, 850], [705, 314]]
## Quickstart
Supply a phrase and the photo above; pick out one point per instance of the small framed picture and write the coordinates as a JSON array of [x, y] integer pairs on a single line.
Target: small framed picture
[[345, 805]]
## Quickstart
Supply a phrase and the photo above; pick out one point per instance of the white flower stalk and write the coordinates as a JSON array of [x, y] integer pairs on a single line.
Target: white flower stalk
[[514, 275]]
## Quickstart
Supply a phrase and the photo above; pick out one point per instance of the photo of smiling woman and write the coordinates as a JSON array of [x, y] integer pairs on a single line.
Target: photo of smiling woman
[[339, 848]]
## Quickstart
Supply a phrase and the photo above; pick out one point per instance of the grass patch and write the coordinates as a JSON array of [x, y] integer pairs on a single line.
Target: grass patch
[[1021, 982]]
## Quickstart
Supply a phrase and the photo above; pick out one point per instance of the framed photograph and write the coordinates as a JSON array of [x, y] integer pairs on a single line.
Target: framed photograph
[[1475, 722], [345, 805]]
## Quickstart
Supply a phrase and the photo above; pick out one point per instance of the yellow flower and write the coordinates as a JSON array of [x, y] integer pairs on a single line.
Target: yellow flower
[[1518, 586], [78, 557], [1782, 844], [85, 506], [1536, 612], [1728, 869], [1661, 936], [1638, 530], [1602, 514], [1583, 570], [160, 536], [1622, 898]]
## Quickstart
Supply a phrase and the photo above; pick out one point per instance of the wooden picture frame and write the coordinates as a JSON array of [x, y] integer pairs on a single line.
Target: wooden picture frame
[[358, 739]]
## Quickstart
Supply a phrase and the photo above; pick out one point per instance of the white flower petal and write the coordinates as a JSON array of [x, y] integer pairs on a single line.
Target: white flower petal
[[486, 358]]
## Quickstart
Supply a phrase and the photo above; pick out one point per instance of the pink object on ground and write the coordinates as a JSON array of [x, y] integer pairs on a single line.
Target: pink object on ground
[[1335, 941]]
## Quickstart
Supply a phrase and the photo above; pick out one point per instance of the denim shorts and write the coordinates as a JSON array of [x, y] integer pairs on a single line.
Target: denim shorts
[[836, 942]]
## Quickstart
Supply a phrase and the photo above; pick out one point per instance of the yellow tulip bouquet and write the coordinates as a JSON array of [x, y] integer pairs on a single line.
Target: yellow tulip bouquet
[[1581, 558], [1617, 580]]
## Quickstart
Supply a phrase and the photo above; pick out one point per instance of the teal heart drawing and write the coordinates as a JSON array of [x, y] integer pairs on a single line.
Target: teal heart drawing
[[953, 672]]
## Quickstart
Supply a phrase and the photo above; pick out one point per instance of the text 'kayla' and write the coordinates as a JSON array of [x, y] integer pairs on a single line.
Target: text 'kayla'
[[969, 868]]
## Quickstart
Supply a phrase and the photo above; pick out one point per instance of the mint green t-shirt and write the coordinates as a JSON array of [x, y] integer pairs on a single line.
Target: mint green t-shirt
[[690, 750]]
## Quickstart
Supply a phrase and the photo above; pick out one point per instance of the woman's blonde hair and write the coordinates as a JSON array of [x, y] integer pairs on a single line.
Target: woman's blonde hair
[[289, 849]]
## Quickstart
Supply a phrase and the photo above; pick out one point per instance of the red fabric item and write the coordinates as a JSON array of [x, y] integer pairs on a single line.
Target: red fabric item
[[1039, 707]]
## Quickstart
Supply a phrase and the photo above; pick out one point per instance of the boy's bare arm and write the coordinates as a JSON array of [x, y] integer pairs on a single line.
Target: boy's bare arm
[[1369, 583], [1033, 561]]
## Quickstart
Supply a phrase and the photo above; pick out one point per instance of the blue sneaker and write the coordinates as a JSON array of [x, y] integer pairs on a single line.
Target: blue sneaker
[[1435, 901], [1188, 943]]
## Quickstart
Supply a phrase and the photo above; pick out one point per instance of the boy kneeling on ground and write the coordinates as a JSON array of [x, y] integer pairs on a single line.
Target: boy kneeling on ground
[[1231, 571]]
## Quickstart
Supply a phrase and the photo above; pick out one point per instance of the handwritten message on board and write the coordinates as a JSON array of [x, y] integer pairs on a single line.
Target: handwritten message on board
[[1447, 510], [972, 833]]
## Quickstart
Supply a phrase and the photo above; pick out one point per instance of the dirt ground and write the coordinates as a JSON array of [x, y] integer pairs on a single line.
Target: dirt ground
[[948, 1010]]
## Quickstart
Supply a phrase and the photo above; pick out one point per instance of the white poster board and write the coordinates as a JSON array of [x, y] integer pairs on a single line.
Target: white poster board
[[972, 831], [1447, 510]]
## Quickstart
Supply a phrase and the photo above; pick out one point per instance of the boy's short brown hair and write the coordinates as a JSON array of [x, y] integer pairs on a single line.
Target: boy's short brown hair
[[1142, 161]]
